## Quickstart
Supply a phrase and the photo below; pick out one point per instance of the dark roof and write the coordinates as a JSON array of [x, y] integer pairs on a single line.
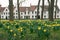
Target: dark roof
[[31, 8], [2, 9], [23, 9]]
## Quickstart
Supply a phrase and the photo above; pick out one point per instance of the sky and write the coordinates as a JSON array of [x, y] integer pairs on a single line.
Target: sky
[[5, 3]]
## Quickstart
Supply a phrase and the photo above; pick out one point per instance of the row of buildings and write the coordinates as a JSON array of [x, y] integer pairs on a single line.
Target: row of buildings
[[27, 12]]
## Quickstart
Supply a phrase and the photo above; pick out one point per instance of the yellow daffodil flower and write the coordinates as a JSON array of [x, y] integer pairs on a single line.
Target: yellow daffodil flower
[[11, 30], [20, 29], [39, 28], [14, 35], [44, 30]]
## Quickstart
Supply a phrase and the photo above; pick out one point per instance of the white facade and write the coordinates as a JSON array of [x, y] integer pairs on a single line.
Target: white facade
[[27, 14], [5, 13]]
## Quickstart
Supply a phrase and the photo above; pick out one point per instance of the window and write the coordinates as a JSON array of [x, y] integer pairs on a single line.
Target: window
[[35, 16], [16, 16], [32, 16], [44, 16], [35, 12], [6, 9], [4, 13], [16, 13], [26, 17], [2, 16], [38, 16], [57, 15], [21, 13], [32, 12], [25, 12], [6, 17], [28, 12]]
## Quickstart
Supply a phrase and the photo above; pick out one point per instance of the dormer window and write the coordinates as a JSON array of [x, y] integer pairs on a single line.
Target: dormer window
[[6, 9]]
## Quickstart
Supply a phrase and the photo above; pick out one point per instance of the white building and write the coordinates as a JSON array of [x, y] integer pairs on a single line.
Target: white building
[[27, 12]]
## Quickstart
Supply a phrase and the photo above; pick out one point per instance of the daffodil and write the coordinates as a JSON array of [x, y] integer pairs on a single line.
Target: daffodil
[[11, 30], [14, 35], [39, 28], [20, 29], [45, 24], [44, 30]]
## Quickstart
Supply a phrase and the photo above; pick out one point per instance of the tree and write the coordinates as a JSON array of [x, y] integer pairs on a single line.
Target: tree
[[18, 9], [42, 9], [11, 10], [56, 8], [0, 16], [38, 17], [51, 9], [0, 12]]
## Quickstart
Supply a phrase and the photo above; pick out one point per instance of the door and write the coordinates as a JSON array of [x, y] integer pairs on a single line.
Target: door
[[26, 17]]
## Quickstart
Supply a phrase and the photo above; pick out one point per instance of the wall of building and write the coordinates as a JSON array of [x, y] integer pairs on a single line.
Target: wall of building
[[27, 14]]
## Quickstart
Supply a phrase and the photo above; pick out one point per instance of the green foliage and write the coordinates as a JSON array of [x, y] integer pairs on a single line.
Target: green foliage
[[28, 29]]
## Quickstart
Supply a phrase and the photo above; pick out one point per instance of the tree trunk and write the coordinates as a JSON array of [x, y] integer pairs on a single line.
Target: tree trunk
[[56, 9], [51, 9], [42, 9], [18, 9], [0, 16], [38, 17], [11, 10]]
